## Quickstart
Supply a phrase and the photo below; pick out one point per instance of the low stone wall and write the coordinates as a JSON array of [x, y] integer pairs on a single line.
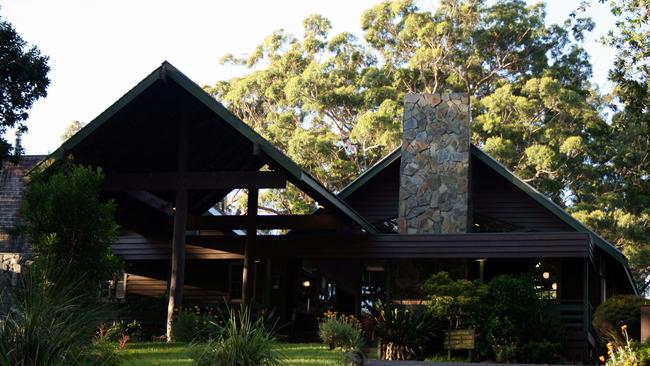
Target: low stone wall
[[10, 269], [10, 272]]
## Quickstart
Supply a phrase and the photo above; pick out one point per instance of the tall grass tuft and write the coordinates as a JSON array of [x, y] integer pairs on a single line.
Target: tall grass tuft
[[240, 341], [49, 323]]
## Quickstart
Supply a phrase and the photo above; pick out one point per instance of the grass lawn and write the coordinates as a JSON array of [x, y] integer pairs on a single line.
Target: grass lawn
[[159, 353]]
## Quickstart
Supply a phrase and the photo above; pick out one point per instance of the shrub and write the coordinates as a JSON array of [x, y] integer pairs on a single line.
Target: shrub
[[48, 324], [455, 300], [510, 310], [540, 352], [120, 329], [241, 341], [405, 334], [185, 327], [341, 331], [69, 226], [613, 313], [193, 324], [643, 353]]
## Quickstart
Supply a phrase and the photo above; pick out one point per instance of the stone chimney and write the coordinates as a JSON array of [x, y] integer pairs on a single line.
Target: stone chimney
[[434, 173]]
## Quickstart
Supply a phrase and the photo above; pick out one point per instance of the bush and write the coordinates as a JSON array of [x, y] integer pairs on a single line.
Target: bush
[[192, 324], [643, 353], [69, 226], [540, 352], [405, 334], [511, 309], [241, 341], [341, 331], [118, 330], [455, 300], [49, 325], [613, 313]]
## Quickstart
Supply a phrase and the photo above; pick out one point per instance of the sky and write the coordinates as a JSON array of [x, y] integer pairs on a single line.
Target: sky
[[99, 50]]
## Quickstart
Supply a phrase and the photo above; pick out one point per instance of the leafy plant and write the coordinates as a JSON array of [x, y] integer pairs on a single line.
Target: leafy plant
[[510, 310], [341, 331], [49, 324], [540, 352], [193, 324], [455, 300], [241, 341], [405, 334], [613, 313], [621, 355], [119, 329], [70, 227]]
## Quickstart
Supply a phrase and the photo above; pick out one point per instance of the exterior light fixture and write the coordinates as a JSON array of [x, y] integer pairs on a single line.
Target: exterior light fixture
[[539, 264], [554, 286], [546, 275], [306, 284]]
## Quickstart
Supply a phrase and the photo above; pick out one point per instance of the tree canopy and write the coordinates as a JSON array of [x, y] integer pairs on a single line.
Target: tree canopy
[[23, 79], [333, 102]]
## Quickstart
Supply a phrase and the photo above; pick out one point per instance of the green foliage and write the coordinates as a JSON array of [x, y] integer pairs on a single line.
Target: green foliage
[[643, 353], [72, 128], [70, 227], [341, 332], [23, 80], [241, 341], [512, 314], [185, 327], [195, 324], [615, 312], [540, 352], [405, 333], [616, 200], [119, 329], [333, 103], [455, 300], [50, 324]]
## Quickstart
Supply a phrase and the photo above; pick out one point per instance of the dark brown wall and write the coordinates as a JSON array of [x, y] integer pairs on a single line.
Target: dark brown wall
[[377, 200], [496, 198], [492, 196]]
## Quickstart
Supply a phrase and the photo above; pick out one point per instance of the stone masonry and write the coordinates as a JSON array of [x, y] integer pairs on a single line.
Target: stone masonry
[[434, 172]]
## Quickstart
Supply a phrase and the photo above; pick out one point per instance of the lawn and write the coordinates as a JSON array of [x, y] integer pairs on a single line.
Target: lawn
[[158, 353]]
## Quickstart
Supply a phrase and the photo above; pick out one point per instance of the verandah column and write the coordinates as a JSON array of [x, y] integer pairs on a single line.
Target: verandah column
[[177, 278], [251, 233]]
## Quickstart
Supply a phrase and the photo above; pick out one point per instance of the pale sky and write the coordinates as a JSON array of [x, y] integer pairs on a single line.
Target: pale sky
[[100, 49]]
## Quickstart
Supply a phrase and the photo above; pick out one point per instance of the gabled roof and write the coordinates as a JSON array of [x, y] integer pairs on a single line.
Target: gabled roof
[[530, 191], [166, 73]]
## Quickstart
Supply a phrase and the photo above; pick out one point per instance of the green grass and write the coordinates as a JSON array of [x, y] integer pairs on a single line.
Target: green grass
[[159, 353], [155, 353]]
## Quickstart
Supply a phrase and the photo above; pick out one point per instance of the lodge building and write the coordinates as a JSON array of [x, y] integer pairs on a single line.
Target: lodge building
[[171, 153]]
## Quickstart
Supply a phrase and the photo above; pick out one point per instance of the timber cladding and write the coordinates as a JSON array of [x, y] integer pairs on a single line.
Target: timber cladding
[[398, 246]]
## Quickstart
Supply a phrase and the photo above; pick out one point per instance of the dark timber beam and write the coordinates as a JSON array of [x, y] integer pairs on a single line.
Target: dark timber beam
[[251, 233], [266, 222], [196, 180], [177, 279], [153, 201]]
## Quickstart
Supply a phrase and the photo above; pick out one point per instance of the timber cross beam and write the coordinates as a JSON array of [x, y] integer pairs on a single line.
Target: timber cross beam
[[193, 180], [266, 222]]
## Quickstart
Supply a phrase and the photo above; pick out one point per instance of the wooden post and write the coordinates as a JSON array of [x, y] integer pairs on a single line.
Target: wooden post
[[586, 316], [645, 323], [251, 231], [177, 278]]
